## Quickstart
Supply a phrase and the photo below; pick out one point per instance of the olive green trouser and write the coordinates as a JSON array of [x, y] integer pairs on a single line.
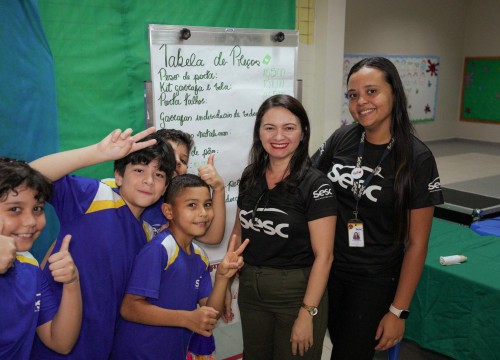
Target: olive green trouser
[[269, 301]]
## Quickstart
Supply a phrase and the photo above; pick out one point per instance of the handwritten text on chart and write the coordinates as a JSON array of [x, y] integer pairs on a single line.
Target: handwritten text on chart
[[235, 58]]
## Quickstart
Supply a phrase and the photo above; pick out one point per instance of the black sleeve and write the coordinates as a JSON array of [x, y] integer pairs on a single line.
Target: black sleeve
[[427, 191], [322, 157]]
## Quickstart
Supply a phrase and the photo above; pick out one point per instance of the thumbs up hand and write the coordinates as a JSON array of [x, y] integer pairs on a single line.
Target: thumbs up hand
[[62, 267], [209, 174], [7, 250]]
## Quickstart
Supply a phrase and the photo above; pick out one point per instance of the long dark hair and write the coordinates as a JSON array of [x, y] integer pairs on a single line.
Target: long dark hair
[[402, 131], [258, 159]]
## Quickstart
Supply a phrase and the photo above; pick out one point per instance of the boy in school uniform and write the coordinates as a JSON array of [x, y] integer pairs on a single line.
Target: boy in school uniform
[[182, 144], [170, 278], [27, 304], [104, 222]]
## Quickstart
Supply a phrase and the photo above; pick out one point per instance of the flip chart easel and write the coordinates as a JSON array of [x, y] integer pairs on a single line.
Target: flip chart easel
[[210, 82]]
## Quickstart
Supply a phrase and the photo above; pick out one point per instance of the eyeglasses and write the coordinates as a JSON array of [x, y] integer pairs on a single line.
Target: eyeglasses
[[254, 214]]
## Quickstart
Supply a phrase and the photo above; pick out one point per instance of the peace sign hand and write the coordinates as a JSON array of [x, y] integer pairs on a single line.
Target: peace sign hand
[[232, 261]]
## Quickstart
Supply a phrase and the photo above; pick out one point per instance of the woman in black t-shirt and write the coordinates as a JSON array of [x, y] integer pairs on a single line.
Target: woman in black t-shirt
[[387, 185], [288, 211]]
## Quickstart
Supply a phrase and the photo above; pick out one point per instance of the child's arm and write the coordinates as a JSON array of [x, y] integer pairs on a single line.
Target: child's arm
[[137, 309], [115, 146], [230, 264], [209, 174], [60, 334], [228, 315], [202, 320], [7, 251]]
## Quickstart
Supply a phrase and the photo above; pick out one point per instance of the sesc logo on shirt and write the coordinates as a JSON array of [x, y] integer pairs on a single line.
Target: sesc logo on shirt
[[37, 302], [324, 191], [435, 185]]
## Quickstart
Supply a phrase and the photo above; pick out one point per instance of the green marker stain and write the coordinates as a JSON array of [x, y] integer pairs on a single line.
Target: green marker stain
[[266, 60]]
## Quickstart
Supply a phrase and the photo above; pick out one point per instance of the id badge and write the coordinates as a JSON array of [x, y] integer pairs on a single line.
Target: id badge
[[355, 233]]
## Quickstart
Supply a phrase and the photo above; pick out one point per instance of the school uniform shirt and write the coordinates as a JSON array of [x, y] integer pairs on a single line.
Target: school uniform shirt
[[169, 278], [337, 158], [152, 215], [276, 221], [105, 239], [26, 302]]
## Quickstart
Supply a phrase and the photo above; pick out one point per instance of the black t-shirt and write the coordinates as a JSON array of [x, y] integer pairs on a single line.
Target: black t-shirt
[[278, 232], [337, 158]]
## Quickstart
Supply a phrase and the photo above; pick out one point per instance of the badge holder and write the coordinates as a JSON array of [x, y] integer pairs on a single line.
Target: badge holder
[[355, 232]]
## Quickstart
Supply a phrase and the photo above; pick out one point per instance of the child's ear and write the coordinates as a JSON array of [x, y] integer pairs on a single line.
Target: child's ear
[[164, 190], [118, 178], [166, 209]]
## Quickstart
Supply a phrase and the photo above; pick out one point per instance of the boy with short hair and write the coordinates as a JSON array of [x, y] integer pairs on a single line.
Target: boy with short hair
[[170, 278], [27, 305], [104, 222], [182, 143]]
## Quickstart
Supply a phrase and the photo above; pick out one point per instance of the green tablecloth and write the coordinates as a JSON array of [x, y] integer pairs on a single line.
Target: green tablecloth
[[456, 309]]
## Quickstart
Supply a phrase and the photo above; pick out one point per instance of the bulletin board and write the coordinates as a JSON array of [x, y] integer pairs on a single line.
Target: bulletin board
[[210, 82], [419, 74], [481, 90]]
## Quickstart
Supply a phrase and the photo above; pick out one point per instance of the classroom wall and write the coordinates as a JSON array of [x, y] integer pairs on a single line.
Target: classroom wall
[[425, 27], [320, 68], [451, 29], [482, 38]]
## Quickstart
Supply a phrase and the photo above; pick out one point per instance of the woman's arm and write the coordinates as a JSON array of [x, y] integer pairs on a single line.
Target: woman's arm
[[391, 328], [322, 232]]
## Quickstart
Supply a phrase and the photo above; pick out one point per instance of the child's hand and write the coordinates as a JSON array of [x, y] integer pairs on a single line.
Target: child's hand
[[7, 251], [203, 320], [62, 267], [208, 173], [119, 144], [232, 261]]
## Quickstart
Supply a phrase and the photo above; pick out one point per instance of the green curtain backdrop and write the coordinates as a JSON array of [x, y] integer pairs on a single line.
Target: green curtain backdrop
[[101, 55]]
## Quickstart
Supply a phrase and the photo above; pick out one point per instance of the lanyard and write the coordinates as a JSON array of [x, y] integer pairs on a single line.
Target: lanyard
[[357, 188]]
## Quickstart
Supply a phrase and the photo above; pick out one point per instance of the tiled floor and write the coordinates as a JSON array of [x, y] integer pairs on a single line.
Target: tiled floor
[[469, 166], [463, 165]]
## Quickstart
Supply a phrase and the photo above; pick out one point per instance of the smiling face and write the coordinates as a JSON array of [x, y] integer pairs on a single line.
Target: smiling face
[[190, 214], [280, 133], [141, 185], [23, 217], [370, 100]]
